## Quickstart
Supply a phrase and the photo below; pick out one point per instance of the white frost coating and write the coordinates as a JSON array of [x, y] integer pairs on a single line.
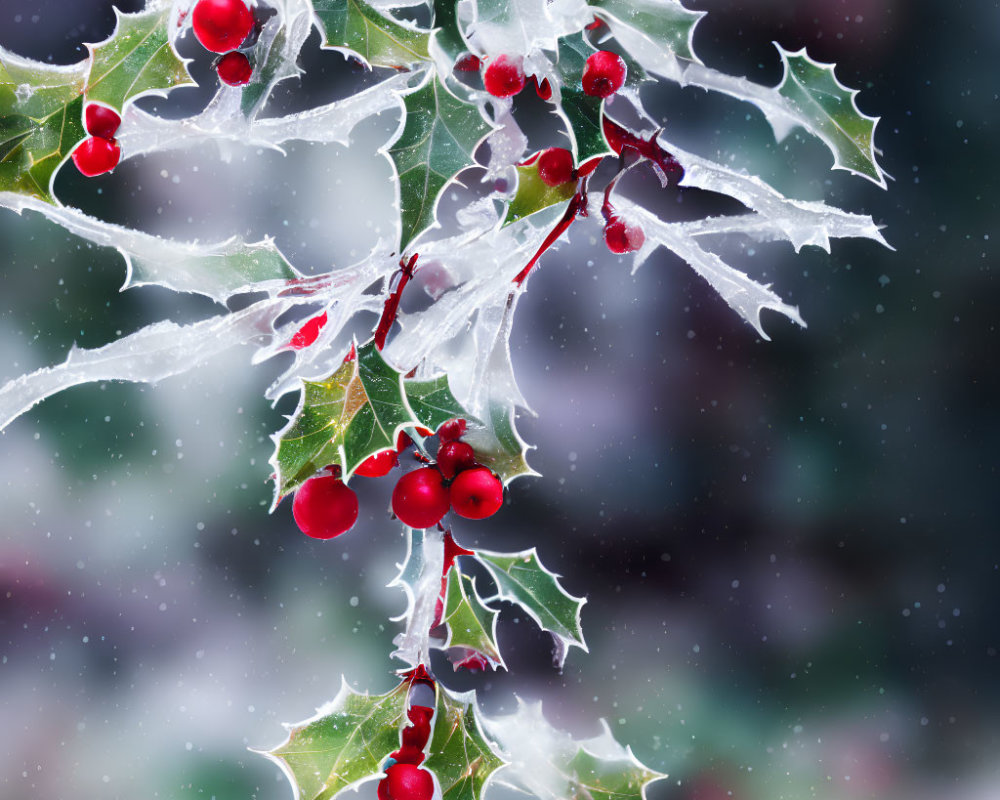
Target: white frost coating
[[212, 269], [519, 27], [803, 222], [146, 356], [743, 294], [507, 145], [540, 755], [223, 124], [420, 578]]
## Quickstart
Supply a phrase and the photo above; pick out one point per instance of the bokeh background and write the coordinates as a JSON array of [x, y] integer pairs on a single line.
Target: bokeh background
[[789, 547]]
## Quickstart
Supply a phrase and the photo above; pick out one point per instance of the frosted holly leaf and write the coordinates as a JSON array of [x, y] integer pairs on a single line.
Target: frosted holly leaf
[[470, 622], [534, 195], [460, 755], [218, 270], [830, 112], [438, 140], [551, 765], [343, 419], [446, 34], [275, 53], [581, 111], [420, 578], [136, 59], [655, 32], [432, 402], [343, 744], [382, 42], [523, 580], [500, 447]]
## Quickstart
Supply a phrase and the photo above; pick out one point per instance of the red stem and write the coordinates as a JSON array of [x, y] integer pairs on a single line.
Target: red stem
[[620, 138], [391, 307], [577, 207]]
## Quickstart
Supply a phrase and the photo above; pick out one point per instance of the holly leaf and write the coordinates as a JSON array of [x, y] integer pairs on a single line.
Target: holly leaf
[[470, 622], [460, 755], [41, 120], [522, 579], [665, 23], [343, 744], [827, 109], [136, 59], [352, 414], [499, 446], [432, 402], [551, 765], [534, 195], [446, 34], [438, 140], [581, 112], [382, 42]]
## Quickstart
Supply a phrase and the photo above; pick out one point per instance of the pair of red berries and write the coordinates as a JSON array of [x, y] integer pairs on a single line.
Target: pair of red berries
[[404, 780], [603, 75], [422, 497], [620, 237], [99, 152], [221, 26]]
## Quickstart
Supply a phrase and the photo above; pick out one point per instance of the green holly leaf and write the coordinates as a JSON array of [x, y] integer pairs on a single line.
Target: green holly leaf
[[446, 34], [382, 42], [551, 765], [440, 135], [499, 446], [343, 744], [432, 402], [136, 59], [523, 580], [581, 111], [827, 109], [41, 120], [666, 23], [460, 755], [352, 414], [470, 622], [534, 195]]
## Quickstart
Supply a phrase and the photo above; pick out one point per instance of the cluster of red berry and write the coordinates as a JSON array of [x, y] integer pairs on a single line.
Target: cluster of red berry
[[404, 779], [99, 152], [222, 26], [324, 507], [603, 75]]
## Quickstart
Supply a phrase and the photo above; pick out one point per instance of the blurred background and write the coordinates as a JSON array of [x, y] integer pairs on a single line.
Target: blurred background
[[789, 547]]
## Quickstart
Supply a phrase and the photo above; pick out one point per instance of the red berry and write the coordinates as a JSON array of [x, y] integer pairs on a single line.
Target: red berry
[[452, 430], [623, 238], [324, 507], [101, 121], [603, 74], [234, 69], [308, 333], [383, 789], [420, 716], [476, 494], [221, 25], [543, 89], [420, 498], [555, 166], [454, 457], [95, 156], [468, 63], [407, 782], [504, 77], [377, 465]]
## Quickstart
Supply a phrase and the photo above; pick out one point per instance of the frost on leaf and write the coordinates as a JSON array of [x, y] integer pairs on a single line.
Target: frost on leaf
[[148, 355], [275, 53], [461, 757], [551, 765], [343, 744], [523, 27], [357, 411], [382, 42], [471, 623], [137, 59], [439, 138], [420, 578], [217, 270], [523, 580]]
